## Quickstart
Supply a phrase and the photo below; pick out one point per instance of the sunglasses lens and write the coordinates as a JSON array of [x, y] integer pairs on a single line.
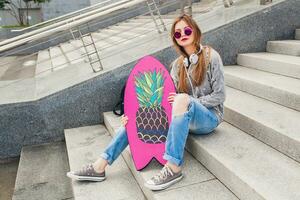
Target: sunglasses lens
[[177, 35], [188, 31]]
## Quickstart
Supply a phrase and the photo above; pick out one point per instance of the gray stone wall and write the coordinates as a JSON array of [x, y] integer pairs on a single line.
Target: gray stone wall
[[57, 8]]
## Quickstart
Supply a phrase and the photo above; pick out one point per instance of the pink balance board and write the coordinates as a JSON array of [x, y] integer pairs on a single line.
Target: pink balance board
[[148, 110]]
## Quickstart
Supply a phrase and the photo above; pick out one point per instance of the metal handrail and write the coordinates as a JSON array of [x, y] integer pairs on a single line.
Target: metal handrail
[[62, 16], [65, 25]]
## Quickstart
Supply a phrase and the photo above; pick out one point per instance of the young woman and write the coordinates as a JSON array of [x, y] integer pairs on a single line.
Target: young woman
[[197, 106]]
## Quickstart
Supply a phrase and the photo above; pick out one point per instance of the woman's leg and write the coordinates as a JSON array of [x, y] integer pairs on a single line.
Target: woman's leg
[[187, 114], [204, 120], [113, 150], [178, 131]]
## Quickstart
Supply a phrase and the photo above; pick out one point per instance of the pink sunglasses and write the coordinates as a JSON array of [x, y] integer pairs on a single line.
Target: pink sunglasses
[[187, 31]]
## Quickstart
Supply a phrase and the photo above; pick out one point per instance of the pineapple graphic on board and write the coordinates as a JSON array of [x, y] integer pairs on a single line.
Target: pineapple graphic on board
[[151, 118]]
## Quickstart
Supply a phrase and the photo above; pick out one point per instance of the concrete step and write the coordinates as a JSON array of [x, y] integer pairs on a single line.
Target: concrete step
[[202, 8], [148, 19], [168, 17], [44, 63], [119, 39], [148, 24], [136, 30], [124, 35], [297, 34], [139, 20], [84, 146], [111, 39], [271, 123], [58, 59], [279, 89], [73, 54], [198, 182], [78, 44], [288, 47], [131, 34], [98, 40], [271, 62], [41, 173], [248, 167]]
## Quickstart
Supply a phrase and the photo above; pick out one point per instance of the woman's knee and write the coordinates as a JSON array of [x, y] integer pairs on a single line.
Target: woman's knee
[[181, 102]]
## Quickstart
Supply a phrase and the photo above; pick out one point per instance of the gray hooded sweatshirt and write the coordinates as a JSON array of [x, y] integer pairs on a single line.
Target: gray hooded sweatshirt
[[211, 93]]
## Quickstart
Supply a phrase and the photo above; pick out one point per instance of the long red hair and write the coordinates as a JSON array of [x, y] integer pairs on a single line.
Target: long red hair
[[201, 67]]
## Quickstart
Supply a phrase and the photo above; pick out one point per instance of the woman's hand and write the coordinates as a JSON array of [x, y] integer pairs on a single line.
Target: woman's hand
[[171, 97], [124, 120]]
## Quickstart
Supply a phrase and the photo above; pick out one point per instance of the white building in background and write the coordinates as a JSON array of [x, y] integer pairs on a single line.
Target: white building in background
[[48, 10]]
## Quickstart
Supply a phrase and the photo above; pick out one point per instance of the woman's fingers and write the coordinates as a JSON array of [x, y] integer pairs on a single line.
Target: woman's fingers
[[171, 98], [124, 119]]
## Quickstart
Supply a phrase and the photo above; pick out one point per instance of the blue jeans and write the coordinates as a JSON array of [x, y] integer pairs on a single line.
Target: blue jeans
[[197, 120]]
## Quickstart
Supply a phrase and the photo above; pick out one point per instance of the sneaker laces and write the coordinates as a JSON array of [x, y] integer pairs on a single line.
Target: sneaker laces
[[86, 169], [165, 171]]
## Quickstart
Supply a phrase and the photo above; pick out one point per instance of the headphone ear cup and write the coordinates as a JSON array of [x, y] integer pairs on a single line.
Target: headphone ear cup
[[185, 62], [194, 58]]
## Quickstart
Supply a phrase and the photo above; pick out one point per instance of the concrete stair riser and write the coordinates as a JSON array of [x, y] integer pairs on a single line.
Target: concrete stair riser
[[269, 122], [275, 63], [276, 88], [288, 47]]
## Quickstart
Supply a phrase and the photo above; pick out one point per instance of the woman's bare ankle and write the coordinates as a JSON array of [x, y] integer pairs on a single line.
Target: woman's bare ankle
[[174, 167], [100, 165]]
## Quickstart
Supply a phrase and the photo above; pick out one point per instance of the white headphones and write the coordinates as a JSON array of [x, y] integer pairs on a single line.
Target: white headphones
[[193, 59]]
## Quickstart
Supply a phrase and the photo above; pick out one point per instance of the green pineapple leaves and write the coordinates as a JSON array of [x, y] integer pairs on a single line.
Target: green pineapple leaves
[[149, 88]]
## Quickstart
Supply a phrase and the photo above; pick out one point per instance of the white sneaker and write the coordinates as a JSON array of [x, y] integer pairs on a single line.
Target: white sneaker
[[165, 178]]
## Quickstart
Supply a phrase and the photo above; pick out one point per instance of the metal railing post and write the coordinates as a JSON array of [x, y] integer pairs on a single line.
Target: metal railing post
[[94, 52], [152, 11]]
